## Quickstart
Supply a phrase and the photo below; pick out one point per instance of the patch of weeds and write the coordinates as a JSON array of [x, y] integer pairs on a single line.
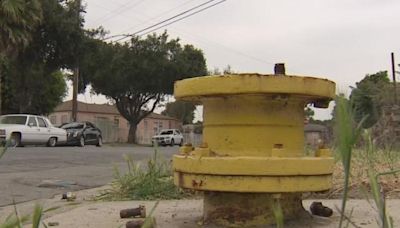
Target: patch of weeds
[[15, 220], [377, 192], [153, 182], [369, 160]]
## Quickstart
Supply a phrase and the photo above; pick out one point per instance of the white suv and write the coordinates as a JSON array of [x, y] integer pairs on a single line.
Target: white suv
[[168, 137]]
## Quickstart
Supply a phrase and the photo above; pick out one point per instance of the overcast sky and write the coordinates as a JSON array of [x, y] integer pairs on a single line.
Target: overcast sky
[[341, 40]]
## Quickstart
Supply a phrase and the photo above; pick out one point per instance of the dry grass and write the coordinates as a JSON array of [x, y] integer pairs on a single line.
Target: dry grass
[[359, 184]]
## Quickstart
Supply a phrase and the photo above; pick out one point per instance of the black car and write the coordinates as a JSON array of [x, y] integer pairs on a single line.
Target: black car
[[83, 133]]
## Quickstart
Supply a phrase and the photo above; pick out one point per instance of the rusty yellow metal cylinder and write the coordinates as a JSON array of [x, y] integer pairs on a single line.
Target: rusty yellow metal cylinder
[[253, 146]]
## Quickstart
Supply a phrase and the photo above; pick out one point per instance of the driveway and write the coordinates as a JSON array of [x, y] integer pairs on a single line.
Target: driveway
[[30, 173]]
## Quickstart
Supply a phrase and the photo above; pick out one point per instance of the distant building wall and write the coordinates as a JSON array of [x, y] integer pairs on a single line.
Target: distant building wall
[[315, 135], [191, 136], [149, 127]]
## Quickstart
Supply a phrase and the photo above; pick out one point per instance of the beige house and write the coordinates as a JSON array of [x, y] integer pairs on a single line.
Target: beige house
[[114, 127], [315, 135]]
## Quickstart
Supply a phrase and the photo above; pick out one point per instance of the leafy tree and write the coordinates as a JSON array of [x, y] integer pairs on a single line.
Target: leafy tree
[[33, 81], [43, 91], [18, 20], [369, 96], [181, 110], [216, 71], [308, 113], [139, 74]]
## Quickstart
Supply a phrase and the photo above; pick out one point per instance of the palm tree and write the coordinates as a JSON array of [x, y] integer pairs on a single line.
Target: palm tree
[[18, 19]]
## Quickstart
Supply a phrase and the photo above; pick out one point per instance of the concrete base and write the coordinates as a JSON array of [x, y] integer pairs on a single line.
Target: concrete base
[[188, 214], [184, 213], [250, 209]]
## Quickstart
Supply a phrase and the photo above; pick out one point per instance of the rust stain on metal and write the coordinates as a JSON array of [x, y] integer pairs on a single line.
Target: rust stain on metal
[[180, 179], [278, 146], [197, 184]]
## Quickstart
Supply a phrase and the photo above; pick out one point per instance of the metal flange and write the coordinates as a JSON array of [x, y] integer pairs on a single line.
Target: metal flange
[[316, 90]]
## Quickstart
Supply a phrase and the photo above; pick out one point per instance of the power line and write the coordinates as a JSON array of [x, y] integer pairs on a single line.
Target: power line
[[227, 48], [144, 22], [168, 19], [114, 10], [177, 15], [204, 40], [172, 22], [158, 15], [124, 7]]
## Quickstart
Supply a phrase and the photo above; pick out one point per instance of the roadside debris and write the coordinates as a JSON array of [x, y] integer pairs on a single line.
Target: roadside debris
[[139, 213], [133, 212], [318, 209], [53, 223], [69, 196], [135, 224]]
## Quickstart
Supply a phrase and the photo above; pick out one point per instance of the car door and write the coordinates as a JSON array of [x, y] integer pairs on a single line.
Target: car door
[[177, 136], [32, 131], [180, 136], [90, 133], [61, 134], [44, 132]]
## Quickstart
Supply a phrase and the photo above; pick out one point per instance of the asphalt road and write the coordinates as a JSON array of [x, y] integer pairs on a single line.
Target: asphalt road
[[23, 170]]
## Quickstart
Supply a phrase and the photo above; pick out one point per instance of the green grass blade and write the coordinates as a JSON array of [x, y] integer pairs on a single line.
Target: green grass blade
[[148, 222], [3, 150], [44, 224], [278, 213], [347, 136], [37, 216], [51, 209], [17, 215]]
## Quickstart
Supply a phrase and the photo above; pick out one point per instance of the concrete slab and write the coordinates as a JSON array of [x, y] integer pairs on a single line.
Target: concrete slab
[[187, 214], [83, 212]]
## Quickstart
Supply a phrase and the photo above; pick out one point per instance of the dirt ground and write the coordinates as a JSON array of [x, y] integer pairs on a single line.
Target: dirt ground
[[179, 213]]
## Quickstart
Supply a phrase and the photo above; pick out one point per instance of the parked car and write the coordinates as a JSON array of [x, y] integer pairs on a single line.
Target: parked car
[[23, 129], [83, 133], [168, 137]]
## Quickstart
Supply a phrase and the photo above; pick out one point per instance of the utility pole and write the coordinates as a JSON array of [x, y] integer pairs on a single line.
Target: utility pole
[[394, 78], [76, 72]]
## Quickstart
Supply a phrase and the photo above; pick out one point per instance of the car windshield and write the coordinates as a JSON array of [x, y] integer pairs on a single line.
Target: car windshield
[[166, 133], [73, 126], [21, 120]]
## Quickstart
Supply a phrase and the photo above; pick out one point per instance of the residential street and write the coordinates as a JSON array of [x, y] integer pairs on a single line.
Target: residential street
[[23, 170]]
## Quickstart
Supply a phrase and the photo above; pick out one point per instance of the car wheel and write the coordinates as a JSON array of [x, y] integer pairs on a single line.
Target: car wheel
[[181, 143], [99, 141], [15, 140], [81, 141], [172, 142], [52, 142]]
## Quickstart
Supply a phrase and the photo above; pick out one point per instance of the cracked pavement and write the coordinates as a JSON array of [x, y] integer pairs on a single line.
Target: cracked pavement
[[23, 169]]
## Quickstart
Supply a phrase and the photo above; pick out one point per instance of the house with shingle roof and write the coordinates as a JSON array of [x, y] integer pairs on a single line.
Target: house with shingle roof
[[114, 127]]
